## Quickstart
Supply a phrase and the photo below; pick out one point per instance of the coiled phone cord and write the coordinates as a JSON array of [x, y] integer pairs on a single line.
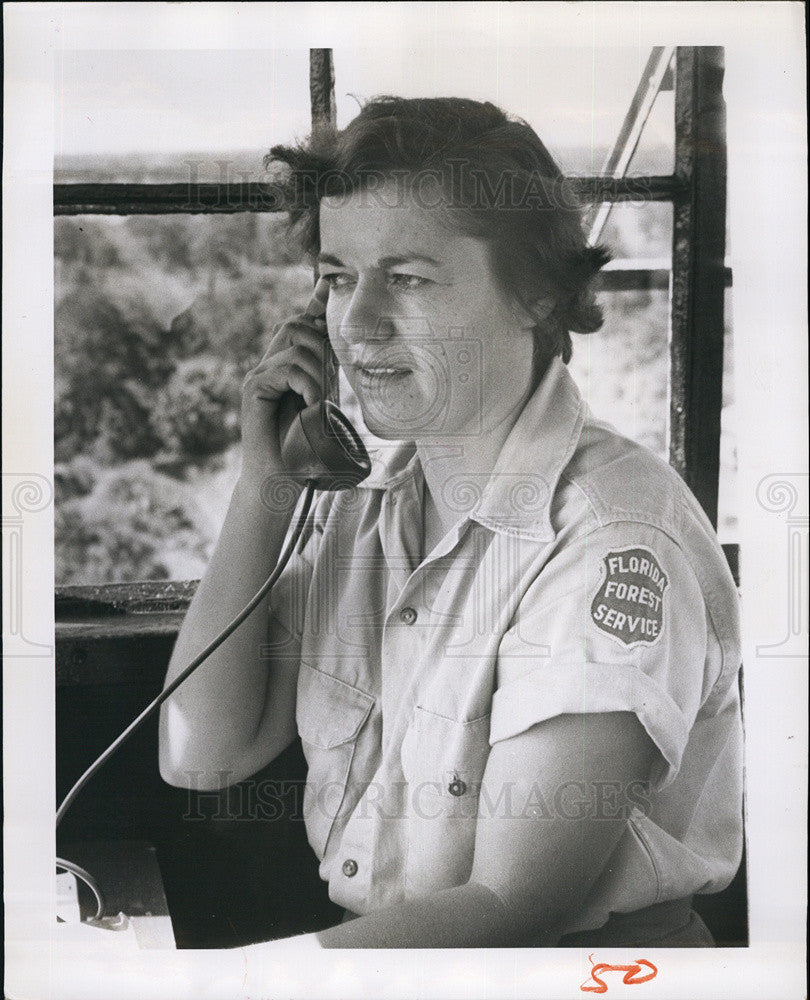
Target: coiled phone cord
[[158, 701]]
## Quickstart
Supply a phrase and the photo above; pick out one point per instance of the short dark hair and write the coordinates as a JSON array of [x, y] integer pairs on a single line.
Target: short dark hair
[[499, 182]]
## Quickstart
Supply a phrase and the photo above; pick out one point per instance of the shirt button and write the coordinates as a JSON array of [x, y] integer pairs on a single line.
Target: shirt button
[[408, 616], [457, 787], [350, 867]]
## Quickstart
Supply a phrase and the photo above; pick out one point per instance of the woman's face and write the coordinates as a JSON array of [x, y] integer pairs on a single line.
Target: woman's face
[[429, 342]]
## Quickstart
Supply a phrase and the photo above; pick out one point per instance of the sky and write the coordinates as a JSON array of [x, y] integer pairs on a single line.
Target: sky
[[165, 101]]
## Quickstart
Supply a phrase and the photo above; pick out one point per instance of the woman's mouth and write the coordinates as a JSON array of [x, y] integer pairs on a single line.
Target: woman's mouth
[[381, 376]]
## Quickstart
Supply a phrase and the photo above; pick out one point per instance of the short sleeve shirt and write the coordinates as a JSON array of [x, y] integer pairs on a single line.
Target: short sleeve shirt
[[581, 576]]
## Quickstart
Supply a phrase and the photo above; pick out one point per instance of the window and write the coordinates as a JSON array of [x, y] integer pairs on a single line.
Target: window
[[129, 116], [167, 307], [166, 313]]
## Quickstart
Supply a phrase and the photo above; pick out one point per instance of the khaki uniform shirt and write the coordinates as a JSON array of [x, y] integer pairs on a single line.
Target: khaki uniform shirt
[[582, 576]]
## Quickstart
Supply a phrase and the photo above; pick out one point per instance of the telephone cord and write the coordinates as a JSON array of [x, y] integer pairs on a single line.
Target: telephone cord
[[187, 671]]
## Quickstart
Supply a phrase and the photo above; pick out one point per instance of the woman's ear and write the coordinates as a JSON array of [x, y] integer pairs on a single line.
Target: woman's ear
[[535, 310], [542, 307]]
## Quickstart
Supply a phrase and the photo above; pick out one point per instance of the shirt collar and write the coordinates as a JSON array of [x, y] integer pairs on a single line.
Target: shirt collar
[[516, 497], [391, 464]]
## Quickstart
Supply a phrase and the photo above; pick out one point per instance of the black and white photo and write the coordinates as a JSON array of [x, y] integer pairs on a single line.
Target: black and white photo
[[411, 507]]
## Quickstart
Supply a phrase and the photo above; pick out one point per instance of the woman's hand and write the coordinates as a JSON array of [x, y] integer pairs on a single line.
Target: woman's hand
[[296, 361]]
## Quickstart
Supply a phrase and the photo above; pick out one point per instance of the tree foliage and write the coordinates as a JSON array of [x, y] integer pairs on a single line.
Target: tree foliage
[[157, 320]]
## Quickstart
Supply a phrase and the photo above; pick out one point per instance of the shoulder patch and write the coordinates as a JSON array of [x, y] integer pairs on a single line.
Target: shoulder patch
[[629, 605]]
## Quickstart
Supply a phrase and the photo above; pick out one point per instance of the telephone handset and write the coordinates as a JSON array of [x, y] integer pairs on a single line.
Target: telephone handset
[[318, 443]]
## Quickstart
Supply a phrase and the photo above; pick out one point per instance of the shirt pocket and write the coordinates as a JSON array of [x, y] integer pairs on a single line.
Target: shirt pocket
[[443, 763], [329, 714]]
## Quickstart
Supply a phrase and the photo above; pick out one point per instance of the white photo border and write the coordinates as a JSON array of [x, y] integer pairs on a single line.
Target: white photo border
[[765, 73]]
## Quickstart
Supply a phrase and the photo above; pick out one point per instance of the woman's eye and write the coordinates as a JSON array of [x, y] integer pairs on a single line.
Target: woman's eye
[[338, 280], [343, 280], [409, 280]]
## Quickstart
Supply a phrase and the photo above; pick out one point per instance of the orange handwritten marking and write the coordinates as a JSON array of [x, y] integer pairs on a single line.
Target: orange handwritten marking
[[631, 975]]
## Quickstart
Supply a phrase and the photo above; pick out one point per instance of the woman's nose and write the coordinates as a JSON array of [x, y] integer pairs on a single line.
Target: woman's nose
[[368, 317]]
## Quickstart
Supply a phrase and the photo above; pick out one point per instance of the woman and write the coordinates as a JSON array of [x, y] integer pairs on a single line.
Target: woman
[[511, 654]]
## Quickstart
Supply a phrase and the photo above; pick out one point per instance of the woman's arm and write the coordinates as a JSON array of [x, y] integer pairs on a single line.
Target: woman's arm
[[533, 867], [236, 712]]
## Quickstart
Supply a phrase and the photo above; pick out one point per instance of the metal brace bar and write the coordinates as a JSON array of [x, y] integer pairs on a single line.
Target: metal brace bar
[[619, 158]]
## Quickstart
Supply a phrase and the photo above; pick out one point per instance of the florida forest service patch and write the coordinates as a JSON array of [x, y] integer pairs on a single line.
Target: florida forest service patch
[[629, 605]]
